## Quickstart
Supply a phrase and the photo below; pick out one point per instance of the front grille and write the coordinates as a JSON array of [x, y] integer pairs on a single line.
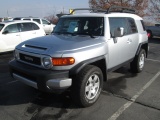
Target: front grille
[[30, 59]]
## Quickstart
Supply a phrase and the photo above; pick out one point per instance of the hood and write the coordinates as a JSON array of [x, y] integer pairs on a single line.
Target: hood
[[58, 43]]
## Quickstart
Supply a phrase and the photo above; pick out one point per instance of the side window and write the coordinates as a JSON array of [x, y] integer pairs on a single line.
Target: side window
[[1, 26], [26, 27], [26, 19], [34, 26], [132, 26], [11, 28], [117, 22], [143, 25], [45, 22], [37, 20]]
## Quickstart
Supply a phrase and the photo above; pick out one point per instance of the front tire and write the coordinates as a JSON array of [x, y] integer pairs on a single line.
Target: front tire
[[137, 64], [87, 86]]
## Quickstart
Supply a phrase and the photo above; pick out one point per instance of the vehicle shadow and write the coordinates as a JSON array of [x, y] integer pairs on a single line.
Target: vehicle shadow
[[41, 105], [116, 83], [155, 40]]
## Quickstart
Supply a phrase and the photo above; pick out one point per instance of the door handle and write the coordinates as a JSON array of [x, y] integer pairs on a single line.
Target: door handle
[[17, 35], [129, 40]]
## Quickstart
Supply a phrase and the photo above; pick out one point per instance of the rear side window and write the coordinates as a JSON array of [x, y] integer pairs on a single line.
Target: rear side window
[[28, 27], [132, 28], [37, 20], [34, 26], [143, 25]]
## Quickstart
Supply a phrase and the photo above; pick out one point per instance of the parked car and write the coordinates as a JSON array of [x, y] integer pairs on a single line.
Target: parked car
[[80, 52], [153, 30], [47, 26], [14, 32]]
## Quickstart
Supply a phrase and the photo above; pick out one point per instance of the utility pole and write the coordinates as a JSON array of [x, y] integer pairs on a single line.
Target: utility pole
[[63, 9], [7, 13]]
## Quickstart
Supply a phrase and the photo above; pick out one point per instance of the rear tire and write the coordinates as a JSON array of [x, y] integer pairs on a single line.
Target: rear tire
[[87, 86], [137, 64]]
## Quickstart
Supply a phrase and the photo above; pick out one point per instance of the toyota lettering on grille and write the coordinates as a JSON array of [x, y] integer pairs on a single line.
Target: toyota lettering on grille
[[28, 58]]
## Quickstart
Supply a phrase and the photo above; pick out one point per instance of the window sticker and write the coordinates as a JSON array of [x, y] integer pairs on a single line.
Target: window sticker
[[72, 27]]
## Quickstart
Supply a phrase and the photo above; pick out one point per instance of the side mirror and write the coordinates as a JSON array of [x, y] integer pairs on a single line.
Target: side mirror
[[5, 32], [119, 32]]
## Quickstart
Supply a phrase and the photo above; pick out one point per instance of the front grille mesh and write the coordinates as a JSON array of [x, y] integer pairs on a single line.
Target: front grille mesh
[[30, 59]]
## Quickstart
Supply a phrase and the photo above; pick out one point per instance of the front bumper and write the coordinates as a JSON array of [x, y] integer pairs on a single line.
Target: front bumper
[[44, 80]]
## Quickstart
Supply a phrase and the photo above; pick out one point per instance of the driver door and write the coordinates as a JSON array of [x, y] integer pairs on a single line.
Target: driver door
[[118, 47]]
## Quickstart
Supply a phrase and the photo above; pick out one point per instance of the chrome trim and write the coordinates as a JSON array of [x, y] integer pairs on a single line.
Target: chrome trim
[[59, 83], [25, 80]]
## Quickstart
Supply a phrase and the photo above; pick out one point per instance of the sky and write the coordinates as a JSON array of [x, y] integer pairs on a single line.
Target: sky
[[38, 8]]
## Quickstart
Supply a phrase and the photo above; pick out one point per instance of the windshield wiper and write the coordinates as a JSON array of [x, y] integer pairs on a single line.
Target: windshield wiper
[[86, 33], [57, 33], [75, 33]]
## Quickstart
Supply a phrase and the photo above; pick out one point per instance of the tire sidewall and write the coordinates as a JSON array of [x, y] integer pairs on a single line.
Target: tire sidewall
[[98, 72], [139, 56]]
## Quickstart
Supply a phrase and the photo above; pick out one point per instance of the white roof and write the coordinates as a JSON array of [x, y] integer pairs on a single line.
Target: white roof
[[16, 21], [136, 17]]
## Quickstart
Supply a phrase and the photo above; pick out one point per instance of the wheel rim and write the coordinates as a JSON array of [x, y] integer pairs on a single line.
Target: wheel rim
[[141, 61], [92, 86]]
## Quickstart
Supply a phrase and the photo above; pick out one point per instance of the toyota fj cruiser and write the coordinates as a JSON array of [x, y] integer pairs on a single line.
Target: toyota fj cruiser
[[80, 52]]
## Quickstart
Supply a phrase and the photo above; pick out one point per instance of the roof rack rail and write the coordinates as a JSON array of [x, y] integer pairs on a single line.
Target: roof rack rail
[[111, 9], [90, 9], [115, 8]]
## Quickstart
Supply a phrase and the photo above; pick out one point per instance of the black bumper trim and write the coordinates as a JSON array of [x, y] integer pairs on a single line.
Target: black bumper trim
[[38, 75]]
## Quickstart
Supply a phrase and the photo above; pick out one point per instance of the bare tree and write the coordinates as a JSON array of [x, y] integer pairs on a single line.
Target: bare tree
[[139, 5], [155, 9], [52, 18]]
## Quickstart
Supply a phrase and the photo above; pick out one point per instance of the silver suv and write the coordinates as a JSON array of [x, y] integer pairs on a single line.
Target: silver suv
[[82, 49]]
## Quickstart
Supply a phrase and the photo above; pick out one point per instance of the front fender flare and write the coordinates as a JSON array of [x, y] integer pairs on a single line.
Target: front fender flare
[[81, 65]]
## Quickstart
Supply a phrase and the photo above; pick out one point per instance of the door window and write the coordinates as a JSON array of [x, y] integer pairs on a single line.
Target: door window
[[13, 28], [117, 23], [28, 27]]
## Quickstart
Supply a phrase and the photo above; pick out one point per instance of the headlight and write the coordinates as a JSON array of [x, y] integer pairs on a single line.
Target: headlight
[[47, 62], [16, 54]]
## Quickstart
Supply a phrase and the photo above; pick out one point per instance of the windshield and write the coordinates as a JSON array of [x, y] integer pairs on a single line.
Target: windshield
[[93, 26], [1, 26]]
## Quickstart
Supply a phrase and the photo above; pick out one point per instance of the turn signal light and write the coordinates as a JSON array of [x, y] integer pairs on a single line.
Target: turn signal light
[[63, 61]]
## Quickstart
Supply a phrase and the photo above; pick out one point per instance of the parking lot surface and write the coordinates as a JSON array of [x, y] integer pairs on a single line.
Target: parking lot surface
[[126, 96]]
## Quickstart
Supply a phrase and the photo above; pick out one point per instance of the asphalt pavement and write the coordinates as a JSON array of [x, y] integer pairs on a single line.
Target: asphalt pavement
[[126, 95]]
